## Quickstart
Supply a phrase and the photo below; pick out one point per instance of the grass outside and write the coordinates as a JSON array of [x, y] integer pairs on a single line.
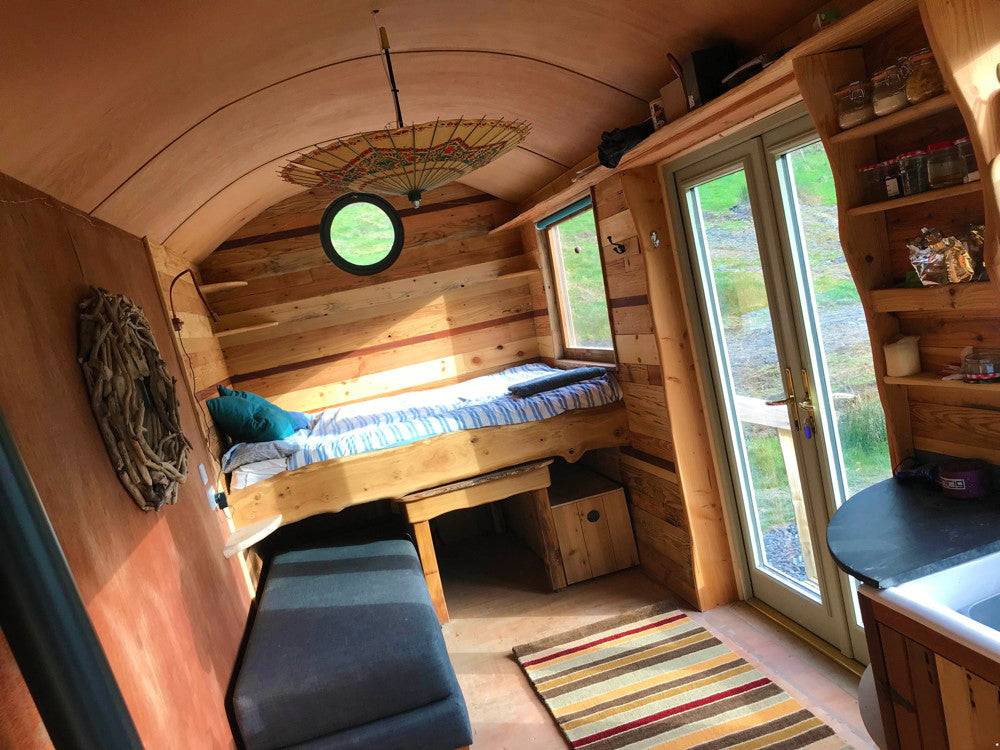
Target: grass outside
[[362, 234], [575, 240]]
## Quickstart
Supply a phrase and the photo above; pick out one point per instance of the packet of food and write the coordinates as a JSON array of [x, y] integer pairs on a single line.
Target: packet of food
[[938, 259]]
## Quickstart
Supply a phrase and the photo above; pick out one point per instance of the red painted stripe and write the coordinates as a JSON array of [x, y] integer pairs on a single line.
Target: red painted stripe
[[639, 299], [671, 712], [605, 639]]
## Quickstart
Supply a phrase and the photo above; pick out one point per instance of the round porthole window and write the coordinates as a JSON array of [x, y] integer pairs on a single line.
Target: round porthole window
[[361, 233]]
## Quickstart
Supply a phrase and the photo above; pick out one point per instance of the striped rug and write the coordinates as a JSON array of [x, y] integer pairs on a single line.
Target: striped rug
[[655, 679]]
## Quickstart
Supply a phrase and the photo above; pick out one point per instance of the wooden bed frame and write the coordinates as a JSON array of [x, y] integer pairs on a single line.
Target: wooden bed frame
[[331, 486]]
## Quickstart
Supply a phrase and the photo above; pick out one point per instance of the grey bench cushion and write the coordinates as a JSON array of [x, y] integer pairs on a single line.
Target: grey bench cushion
[[344, 636]]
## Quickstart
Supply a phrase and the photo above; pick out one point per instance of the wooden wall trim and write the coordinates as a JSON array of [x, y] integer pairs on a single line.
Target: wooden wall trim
[[712, 560]]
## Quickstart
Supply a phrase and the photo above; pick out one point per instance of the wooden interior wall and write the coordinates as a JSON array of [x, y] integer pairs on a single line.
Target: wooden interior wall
[[648, 464], [168, 608], [197, 346], [455, 305]]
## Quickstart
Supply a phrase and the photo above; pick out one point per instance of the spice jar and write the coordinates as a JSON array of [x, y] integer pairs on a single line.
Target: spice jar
[[964, 146], [889, 90], [854, 105], [913, 172], [872, 183], [924, 80], [944, 166], [892, 179]]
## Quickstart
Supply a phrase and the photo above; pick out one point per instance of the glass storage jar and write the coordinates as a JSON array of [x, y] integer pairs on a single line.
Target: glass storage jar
[[923, 80], [913, 172], [944, 166], [964, 146], [889, 90], [892, 179], [872, 183], [854, 105]]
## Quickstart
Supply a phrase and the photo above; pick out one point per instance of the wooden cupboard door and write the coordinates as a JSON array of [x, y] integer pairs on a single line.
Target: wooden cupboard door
[[572, 545], [620, 528], [971, 708], [901, 688], [595, 536]]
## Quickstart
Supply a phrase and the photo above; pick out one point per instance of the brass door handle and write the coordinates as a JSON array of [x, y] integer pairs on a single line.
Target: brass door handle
[[781, 401]]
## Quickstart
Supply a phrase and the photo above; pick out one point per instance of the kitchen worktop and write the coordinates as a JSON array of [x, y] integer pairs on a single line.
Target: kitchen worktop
[[895, 532]]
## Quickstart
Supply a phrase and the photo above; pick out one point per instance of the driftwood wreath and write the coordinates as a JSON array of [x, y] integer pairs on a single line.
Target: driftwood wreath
[[133, 397]]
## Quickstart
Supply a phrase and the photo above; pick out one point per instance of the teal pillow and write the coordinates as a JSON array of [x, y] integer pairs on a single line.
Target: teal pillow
[[299, 419], [247, 421]]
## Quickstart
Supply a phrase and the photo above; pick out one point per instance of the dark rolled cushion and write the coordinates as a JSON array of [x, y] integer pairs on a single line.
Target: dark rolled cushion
[[555, 380], [343, 637]]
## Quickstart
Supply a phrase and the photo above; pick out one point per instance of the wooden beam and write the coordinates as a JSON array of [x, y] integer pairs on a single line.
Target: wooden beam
[[712, 562]]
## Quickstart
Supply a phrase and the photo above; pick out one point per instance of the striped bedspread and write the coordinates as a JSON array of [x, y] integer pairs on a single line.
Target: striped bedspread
[[397, 420]]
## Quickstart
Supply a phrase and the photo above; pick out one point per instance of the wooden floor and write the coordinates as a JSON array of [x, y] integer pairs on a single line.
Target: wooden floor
[[496, 592]]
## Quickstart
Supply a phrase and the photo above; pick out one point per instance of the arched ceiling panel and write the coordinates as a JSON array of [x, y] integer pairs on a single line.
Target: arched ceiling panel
[[97, 93], [351, 97]]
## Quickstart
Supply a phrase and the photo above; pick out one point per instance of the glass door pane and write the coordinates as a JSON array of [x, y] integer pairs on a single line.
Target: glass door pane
[[748, 363], [845, 376], [844, 390]]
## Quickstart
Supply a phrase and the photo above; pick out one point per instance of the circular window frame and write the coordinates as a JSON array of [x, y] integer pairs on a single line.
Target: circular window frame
[[339, 260]]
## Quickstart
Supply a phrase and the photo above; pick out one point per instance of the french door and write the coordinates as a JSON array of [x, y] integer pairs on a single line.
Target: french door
[[788, 351]]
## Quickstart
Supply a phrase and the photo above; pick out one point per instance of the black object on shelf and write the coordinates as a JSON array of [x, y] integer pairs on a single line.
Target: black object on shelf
[[705, 70], [614, 143]]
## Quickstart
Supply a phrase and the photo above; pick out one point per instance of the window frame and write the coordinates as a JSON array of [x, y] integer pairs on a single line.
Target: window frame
[[334, 255], [559, 303]]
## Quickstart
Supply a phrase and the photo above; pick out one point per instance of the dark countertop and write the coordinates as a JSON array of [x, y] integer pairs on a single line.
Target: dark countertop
[[895, 532]]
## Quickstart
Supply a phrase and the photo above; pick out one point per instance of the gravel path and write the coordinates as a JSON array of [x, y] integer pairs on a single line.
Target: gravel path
[[783, 551]]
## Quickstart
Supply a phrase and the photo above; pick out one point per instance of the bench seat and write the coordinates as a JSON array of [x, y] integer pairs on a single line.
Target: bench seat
[[346, 652]]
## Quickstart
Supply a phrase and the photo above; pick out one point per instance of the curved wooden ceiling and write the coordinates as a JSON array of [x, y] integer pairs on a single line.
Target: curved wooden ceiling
[[170, 119]]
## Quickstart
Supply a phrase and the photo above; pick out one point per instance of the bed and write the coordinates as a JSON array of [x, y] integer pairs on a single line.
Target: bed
[[390, 447]]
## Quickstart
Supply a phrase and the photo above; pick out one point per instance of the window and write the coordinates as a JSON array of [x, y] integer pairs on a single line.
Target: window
[[584, 326], [361, 233]]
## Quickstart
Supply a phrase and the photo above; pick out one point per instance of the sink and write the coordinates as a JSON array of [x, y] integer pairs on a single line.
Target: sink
[[962, 602], [987, 612]]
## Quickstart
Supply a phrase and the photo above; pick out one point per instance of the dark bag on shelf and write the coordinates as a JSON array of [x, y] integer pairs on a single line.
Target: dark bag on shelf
[[614, 143]]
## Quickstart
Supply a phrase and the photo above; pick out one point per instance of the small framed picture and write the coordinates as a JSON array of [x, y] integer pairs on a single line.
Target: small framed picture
[[657, 114]]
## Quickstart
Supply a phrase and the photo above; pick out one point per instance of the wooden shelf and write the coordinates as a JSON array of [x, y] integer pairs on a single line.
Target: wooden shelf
[[930, 380], [897, 119], [913, 200], [221, 286], [245, 329], [977, 295], [771, 90]]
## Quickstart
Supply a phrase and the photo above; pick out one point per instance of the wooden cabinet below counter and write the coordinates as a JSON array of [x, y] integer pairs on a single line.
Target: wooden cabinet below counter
[[934, 693]]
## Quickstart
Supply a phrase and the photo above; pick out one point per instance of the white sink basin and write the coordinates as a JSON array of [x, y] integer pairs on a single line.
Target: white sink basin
[[962, 603]]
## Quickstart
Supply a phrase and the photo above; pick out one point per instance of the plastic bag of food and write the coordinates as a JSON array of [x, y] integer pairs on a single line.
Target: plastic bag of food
[[938, 259]]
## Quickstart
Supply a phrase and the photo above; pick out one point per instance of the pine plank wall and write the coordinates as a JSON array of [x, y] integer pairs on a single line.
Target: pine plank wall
[[647, 468], [659, 516], [454, 306]]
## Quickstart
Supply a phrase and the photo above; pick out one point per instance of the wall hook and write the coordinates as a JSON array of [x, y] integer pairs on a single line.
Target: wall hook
[[619, 247]]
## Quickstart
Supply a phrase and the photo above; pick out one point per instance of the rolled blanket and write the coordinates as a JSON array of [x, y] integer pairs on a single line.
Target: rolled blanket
[[555, 380]]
